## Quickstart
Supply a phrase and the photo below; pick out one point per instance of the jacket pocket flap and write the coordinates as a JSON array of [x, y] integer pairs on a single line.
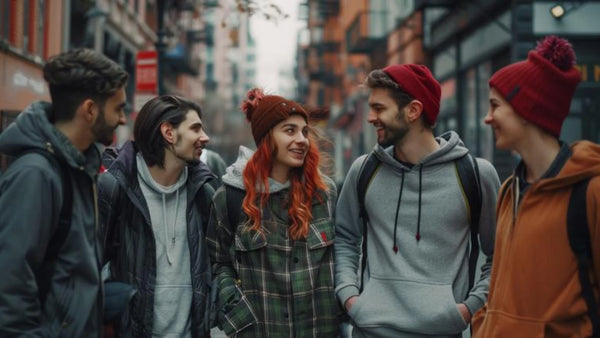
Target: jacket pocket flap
[[249, 240], [320, 234]]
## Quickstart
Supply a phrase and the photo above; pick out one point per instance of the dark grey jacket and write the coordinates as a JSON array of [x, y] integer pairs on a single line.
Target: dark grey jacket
[[129, 242], [31, 197]]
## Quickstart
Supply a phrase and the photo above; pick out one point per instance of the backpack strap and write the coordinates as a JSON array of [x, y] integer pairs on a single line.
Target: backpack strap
[[366, 173], [579, 238], [468, 174], [44, 274], [234, 198]]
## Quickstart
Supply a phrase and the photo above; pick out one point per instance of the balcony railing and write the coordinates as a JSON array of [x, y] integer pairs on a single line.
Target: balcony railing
[[368, 28]]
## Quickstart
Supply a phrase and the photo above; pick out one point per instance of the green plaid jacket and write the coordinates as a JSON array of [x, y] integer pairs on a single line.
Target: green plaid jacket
[[269, 285]]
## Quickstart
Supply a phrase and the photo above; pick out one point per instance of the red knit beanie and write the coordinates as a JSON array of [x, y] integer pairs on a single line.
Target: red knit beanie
[[265, 111], [418, 81], [540, 88]]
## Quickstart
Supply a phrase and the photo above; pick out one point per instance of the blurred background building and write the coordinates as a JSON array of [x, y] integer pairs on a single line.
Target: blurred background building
[[463, 42], [209, 55]]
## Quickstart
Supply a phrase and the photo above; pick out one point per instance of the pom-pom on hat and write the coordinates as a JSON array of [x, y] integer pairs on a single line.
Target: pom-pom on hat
[[265, 111], [540, 88], [418, 81]]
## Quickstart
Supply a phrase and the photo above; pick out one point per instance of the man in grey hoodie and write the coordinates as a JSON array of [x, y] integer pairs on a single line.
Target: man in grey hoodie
[[49, 250], [154, 205], [414, 282]]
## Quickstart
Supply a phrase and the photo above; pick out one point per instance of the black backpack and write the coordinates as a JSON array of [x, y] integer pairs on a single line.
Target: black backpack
[[579, 239], [468, 173]]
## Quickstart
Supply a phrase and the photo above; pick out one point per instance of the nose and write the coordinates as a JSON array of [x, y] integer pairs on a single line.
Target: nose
[[487, 119], [301, 138], [204, 137], [371, 117], [122, 118]]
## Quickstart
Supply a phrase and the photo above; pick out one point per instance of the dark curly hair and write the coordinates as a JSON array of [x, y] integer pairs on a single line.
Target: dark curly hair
[[81, 74]]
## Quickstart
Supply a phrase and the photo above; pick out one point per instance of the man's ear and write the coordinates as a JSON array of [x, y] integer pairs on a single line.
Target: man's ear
[[166, 129], [414, 110], [88, 110]]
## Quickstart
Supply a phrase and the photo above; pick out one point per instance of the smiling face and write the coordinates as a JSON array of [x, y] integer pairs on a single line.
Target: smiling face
[[508, 126], [190, 138], [290, 137], [110, 116], [386, 117]]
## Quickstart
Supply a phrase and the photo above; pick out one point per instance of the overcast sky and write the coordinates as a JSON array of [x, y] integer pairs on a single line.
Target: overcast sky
[[276, 48]]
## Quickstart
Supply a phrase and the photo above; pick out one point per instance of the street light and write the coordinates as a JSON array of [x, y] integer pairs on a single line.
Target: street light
[[559, 10]]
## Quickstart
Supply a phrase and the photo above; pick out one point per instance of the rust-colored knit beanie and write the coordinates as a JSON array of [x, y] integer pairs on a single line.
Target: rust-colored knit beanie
[[265, 111]]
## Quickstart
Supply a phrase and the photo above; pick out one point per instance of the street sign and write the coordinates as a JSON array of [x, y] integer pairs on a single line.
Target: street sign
[[146, 72]]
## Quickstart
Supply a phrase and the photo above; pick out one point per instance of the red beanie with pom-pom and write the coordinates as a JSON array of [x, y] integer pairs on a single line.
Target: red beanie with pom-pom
[[540, 88], [265, 111]]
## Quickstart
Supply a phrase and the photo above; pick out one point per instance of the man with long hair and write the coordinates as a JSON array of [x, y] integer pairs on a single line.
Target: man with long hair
[[50, 284], [273, 266], [414, 278], [154, 202]]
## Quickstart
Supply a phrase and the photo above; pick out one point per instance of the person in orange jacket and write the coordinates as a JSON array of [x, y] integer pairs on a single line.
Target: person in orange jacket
[[535, 288]]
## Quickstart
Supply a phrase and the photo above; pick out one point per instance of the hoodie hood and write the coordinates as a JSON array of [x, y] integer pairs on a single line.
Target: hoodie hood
[[584, 163], [233, 174], [451, 148], [33, 130]]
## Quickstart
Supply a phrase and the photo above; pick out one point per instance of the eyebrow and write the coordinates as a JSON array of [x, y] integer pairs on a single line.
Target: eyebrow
[[376, 104], [292, 125]]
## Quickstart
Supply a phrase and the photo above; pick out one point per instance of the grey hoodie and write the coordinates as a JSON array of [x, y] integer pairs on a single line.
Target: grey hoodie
[[413, 292], [233, 173], [173, 288]]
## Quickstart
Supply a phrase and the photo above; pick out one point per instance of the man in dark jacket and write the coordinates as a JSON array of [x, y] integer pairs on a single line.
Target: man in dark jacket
[[49, 250], [154, 201]]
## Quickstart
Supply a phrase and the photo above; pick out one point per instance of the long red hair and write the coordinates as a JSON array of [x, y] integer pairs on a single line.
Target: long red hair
[[305, 185]]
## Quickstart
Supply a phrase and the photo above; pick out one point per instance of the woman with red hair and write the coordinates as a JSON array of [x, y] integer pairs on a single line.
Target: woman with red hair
[[273, 268]]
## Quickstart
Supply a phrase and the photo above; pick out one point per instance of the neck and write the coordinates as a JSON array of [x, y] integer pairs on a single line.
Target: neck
[[74, 133], [538, 153], [168, 175], [280, 173], [415, 145]]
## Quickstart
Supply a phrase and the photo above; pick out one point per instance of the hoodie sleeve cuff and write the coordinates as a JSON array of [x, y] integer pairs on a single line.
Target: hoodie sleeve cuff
[[473, 304], [347, 292]]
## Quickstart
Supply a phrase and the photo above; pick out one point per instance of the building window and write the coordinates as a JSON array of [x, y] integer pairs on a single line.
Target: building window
[[5, 19], [26, 25], [40, 24]]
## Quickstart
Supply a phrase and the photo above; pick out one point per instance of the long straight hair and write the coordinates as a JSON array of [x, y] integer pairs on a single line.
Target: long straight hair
[[305, 184]]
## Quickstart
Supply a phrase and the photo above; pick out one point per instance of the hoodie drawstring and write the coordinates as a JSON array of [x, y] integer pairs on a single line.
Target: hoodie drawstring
[[418, 236], [395, 247], [166, 226]]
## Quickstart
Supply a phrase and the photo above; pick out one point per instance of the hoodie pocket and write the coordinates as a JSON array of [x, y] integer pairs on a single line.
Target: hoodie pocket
[[408, 306], [500, 324]]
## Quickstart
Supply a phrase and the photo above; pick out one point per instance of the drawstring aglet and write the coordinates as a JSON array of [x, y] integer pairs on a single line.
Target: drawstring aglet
[[395, 248], [418, 237]]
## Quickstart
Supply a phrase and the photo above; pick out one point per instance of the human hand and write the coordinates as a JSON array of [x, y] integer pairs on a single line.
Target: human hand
[[464, 312], [349, 302]]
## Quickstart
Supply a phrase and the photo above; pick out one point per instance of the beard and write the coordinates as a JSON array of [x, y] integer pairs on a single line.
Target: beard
[[393, 135], [187, 159], [103, 132]]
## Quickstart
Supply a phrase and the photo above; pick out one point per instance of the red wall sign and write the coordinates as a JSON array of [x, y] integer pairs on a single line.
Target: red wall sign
[[146, 71]]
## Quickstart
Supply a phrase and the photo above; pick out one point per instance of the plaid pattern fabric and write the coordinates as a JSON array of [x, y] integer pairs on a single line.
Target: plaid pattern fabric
[[268, 284]]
